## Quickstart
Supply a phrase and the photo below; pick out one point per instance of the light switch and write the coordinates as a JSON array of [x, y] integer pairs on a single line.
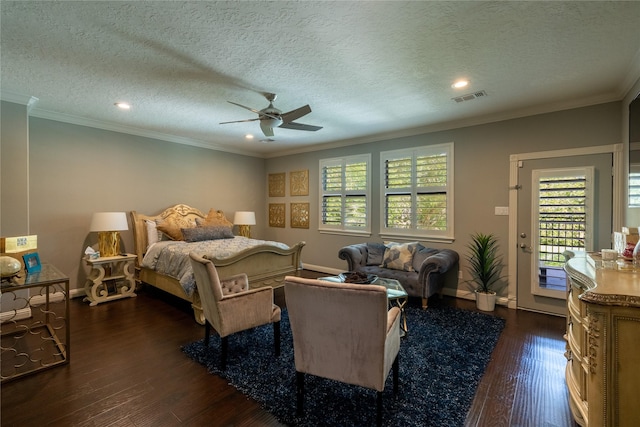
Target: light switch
[[502, 210]]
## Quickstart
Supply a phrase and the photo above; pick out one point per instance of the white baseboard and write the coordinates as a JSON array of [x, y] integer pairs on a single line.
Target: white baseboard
[[322, 269], [13, 315], [25, 313], [464, 294]]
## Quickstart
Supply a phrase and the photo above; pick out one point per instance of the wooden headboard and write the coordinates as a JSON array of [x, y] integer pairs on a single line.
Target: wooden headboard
[[179, 213]]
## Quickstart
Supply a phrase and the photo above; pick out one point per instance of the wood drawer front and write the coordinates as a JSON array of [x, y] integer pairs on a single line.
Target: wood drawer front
[[576, 336], [574, 303]]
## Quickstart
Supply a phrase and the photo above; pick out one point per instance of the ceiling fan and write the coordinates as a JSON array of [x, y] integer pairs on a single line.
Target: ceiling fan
[[270, 117]]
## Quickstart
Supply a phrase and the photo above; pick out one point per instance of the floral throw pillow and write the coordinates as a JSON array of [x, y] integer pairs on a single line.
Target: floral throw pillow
[[399, 256]]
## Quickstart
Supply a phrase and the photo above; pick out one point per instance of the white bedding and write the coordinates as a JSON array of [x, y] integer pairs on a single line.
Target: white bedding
[[172, 257]]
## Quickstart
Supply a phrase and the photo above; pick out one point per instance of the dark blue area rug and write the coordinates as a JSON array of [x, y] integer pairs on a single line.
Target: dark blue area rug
[[442, 360]]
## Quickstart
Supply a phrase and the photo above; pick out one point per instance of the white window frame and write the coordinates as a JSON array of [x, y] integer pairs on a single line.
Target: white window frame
[[413, 232], [342, 229]]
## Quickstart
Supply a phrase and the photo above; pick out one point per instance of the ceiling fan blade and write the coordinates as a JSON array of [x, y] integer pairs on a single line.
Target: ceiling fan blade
[[245, 107], [240, 121], [295, 114], [266, 129], [258, 112], [299, 126]]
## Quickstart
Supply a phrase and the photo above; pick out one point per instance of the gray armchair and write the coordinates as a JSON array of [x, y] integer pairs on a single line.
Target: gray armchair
[[230, 306], [343, 332]]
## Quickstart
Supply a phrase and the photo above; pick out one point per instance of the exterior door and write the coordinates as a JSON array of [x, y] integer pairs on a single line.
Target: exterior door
[[564, 203]]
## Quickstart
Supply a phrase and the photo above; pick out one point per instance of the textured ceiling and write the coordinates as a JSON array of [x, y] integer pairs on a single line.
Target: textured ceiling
[[367, 69]]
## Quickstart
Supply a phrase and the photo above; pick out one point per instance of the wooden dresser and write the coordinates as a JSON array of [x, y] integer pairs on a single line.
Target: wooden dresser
[[603, 344]]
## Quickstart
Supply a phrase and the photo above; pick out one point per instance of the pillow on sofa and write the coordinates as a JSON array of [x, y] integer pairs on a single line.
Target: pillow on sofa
[[198, 234], [375, 253], [399, 256], [421, 254]]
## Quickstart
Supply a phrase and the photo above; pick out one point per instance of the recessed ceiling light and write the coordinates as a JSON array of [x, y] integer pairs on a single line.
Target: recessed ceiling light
[[460, 84], [123, 105], [248, 136]]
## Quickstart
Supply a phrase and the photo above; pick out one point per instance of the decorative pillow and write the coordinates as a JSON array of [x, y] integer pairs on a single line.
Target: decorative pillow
[[153, 235], [198, 234], [173, 228], [375, 253], [214, 218], [399, 256], [421, 254]]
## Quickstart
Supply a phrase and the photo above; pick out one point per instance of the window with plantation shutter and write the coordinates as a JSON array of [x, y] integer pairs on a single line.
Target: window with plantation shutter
[[344, 192], [563, 211], [417, 192], [634, 186]]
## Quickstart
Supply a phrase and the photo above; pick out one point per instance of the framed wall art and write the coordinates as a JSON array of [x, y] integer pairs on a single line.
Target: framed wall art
[[299, 183], [277, 215], [299, 215], [277, 183]]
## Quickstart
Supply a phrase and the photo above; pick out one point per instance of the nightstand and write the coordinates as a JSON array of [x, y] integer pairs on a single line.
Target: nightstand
[[111, 278]]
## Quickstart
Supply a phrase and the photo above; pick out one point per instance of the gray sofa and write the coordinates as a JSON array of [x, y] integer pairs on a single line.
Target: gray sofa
[[433, 267]]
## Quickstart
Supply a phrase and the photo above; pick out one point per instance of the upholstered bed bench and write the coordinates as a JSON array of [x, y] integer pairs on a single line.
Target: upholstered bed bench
[[422, 271]]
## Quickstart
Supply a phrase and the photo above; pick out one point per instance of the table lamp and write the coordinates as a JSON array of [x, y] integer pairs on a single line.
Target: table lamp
[[244, 221], [108, 225]]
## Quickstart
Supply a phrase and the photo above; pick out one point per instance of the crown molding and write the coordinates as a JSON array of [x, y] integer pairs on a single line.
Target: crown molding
[[457, 124], [18, 98], [131, 130]]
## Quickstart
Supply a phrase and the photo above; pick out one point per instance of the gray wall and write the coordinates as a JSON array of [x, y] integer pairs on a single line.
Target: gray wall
[[14, 170], [481, 156], [75, 171]]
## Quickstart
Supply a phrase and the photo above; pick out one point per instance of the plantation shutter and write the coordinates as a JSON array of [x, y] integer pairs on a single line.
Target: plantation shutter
[[332, 195], [417, 191], [562, 216], [634, 186], [345, 190], [398, 180]]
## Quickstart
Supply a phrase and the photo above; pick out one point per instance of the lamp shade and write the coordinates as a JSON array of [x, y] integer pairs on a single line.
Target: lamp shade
[[109, 221], [244, 218]]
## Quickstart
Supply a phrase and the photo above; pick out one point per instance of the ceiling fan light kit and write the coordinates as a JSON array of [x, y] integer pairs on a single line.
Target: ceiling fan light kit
[[271, 117]]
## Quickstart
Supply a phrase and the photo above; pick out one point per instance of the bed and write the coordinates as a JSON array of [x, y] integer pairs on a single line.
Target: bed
[[163, 262]]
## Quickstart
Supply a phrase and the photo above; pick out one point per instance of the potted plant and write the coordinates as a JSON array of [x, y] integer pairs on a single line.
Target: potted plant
[[485, 266]]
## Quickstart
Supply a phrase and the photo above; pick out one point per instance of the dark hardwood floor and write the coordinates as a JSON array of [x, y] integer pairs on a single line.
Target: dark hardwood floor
[[127, 369]]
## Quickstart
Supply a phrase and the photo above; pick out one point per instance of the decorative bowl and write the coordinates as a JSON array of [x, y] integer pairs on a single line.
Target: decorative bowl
[[357, 278], [9, 266]]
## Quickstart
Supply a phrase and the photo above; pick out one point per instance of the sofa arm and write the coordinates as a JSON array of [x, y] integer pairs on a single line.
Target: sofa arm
[[441, 262], [355, 255]]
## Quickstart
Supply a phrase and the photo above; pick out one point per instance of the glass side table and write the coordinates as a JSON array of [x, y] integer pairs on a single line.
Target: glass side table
[[35, 330]]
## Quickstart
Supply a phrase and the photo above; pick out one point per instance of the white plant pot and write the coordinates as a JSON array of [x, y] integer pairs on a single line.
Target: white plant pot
[[486, 301]]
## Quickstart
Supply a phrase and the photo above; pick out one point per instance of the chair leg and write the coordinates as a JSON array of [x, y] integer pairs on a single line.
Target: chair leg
[[299, 393], [396, 374], [276, 337], [223, 355], [207, 331], [424, 303], [379, 408]]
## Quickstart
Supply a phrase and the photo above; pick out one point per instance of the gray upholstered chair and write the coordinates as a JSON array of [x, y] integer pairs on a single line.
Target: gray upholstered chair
[[343, 332], [230, 306]]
